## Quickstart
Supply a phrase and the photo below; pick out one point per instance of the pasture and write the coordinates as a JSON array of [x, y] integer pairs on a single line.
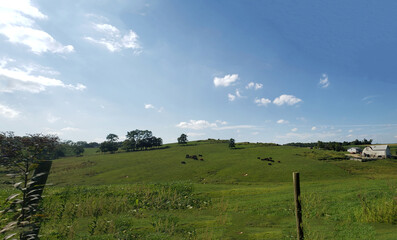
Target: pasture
[[230, 194]]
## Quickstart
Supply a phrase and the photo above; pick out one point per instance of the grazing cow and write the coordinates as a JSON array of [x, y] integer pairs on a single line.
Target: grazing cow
[[183, 162], [194, 157], [201, 159], [200, 155], [258, 157], [278, 161], [269, 164], [187, 156], [270, 158]]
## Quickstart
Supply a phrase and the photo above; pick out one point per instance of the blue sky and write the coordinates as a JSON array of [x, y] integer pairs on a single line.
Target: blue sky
[[258, 71]]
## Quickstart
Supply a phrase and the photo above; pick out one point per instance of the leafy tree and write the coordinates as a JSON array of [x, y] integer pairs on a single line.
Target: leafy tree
[[129, 145], [111, 145], [22, 157], [232, 143], [77, 149], [112, 137], [141, 139], [182, 139]]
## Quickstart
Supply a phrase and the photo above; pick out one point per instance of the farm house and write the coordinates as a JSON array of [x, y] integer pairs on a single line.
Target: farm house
[[377, 151], [354, 150]]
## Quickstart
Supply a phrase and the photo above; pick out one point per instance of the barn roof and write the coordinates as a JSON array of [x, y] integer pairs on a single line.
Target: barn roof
[[379, 147]]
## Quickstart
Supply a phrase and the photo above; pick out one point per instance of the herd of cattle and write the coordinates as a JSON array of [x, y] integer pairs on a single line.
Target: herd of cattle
[[269, 159], [200, 157], [194, 157]]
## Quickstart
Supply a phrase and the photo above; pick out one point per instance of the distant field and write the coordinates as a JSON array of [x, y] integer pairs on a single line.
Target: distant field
[[229, 195]]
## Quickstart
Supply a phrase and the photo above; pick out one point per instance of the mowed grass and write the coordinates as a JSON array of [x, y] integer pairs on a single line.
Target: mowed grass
[[229, 195]]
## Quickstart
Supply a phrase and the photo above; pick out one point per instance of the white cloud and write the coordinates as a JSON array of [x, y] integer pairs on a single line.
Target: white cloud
[[111, 37], [231, 97], [314, 128], [286, 99], [226, 80], [395, 136], [253, 85], [324, 83], [17, 23], [148, 106], [350, 131], [8, 112], [221, 122], [262, 101], [26, 79], [294, 129], [238, 93], [196, 124], [255, 133], [282, 121]]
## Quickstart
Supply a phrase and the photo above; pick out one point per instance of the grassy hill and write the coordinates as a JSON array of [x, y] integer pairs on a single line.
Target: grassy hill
[[231, 194]]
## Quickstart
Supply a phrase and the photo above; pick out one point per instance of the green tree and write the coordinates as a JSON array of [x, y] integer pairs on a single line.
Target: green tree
[[182, 139], [112, 137], [111, 145], [23, 158], [77, 149], [232, 143]]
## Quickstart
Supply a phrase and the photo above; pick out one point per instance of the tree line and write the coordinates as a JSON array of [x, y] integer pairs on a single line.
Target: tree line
[[336, 146], [135, 140]]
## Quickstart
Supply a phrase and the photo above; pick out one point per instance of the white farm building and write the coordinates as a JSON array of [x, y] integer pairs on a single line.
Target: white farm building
[[354, 150], [377, 151]]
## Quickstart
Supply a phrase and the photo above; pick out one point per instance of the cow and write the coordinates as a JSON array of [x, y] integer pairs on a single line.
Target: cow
[[183, 162]]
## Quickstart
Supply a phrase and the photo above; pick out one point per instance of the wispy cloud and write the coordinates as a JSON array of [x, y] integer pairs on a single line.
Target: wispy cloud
[[226, 80], [286, 99], [8, 112], [314, 128], [111, 37], [221, 122], [52, 119], [28, 79], [231, 97], [262, 101], [294, 129], [194, 134], [324, 82], [369, 99], [18, 24], [70, 129], [282, 121], [234, 127], [253, 85], [149, 106], [196, 124]]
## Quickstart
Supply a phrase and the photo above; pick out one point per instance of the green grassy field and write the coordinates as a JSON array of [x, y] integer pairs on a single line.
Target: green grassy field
[[229, 195]]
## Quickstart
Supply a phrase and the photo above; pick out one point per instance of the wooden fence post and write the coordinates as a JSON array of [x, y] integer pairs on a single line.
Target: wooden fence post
[[298, 207]]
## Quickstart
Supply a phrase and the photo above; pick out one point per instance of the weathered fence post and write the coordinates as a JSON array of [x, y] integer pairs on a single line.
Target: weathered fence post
[[298, 207]]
